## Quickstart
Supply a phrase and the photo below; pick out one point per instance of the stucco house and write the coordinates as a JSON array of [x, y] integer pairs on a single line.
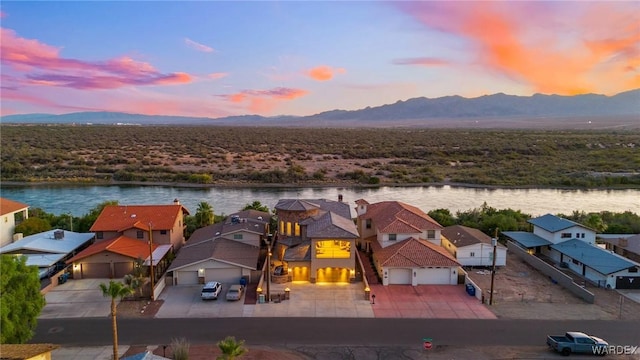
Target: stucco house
[[126, 233], [472, 247], [225, 252], [316, 240], [405, 244], [8, 211], [571, 245], [625, 245]]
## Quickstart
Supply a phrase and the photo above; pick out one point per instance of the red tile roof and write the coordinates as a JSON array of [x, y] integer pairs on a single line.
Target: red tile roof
[[396, 217], [122, 217], [9, 206], [413, 252], [121, 245]]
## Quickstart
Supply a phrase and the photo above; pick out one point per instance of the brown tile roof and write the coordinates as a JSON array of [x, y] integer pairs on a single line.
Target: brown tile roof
[[338, 207], [24, 351], [122, 245], [391, 217], [9, 206], [220, 249], [122, 217], [413, 252], [464, 236], [330, 225]]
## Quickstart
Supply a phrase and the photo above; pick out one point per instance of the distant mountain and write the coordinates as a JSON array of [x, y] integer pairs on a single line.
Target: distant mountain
[[449, 110]]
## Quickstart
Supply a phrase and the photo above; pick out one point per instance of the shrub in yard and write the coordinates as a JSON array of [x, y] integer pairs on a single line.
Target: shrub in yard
[[180, 349]]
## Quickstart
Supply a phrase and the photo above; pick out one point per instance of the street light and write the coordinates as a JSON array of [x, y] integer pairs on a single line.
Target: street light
[[494, 243], [151, 260]]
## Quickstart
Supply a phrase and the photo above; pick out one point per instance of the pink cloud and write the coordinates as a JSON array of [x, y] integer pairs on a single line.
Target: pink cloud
[[425, 61], [554, 47], [198, 46], [42, 65], [216, 76], [264, 101], [323, 72]]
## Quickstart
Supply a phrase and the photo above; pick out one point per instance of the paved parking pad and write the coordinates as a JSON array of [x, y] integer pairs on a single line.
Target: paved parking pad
[[76, 298], [427, 301]]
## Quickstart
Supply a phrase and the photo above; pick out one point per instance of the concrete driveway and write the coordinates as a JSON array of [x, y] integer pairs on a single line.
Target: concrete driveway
[[183, 301], [76, 298]]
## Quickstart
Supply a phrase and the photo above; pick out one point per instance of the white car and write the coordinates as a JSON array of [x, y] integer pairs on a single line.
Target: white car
[[235, 292], [211, 290]]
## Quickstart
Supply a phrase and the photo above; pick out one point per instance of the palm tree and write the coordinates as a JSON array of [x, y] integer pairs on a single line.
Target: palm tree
[[231, 349], [204, 214], [115, 290]]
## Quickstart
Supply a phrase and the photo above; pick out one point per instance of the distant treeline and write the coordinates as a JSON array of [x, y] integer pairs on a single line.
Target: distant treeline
[[244, 155]]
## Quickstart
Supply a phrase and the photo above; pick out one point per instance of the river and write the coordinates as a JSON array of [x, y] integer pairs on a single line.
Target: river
[[78, 200]]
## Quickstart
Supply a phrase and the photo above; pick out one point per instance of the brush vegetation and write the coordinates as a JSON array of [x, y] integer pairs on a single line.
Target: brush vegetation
[[213, 155]]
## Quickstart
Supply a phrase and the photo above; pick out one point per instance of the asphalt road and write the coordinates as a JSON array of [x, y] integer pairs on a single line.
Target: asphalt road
[[328, 331]]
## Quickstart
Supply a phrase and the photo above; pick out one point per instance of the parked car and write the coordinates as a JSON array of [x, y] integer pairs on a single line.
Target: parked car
[[211, 290], [577, 342], [235, 292]]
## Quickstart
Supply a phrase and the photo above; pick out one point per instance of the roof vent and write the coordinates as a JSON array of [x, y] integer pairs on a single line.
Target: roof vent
[[133, 215], [58, 234], [217, 232], [259, 217]]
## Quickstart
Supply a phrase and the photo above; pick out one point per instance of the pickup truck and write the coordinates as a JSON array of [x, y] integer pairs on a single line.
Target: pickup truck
[[577, 342]]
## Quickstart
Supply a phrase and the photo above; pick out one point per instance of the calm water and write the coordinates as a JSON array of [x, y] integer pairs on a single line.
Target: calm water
[[78, 200]]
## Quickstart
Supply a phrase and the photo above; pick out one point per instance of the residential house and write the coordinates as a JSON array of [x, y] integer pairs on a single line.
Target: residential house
[[8, 211], [572, 245], [49, 250], [472, 247], [225, 252], [625, 245], [27, 351], [405, 244], [316, 240], [128, 233]]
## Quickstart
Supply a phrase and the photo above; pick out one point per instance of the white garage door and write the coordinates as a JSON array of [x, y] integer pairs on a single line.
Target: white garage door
[[223, 275], [434, 276], [187, 278], [399, 276]]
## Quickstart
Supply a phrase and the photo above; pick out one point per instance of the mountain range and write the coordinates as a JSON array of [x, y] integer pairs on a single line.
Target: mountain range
[[489, 111]]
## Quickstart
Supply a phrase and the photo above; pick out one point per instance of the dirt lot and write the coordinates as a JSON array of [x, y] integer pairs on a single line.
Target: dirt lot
[[521, 292]]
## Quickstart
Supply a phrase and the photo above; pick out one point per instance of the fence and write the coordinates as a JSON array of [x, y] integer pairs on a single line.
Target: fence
[[555, 274], [467, 280]]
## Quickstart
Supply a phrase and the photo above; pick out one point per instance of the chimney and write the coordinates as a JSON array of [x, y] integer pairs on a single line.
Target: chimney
[[176, 201], [340, 197]]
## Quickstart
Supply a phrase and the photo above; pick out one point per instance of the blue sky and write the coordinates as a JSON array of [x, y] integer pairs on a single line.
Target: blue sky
[[220, 58]]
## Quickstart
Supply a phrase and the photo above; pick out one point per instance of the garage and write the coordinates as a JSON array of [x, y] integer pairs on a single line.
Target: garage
[[627, 282], [187, 278], [434, 276], [223, 275], [300, 273], [122, 268], [334, 274], [399, 276], [95, 270]]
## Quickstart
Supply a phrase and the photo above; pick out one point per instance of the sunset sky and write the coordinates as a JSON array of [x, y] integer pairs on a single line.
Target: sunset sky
[[220, 58]]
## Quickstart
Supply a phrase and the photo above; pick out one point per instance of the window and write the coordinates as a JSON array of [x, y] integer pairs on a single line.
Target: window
[[575, 261], [393, 237], [6, 219], [140, 234], [368, 223], [472, 254], [431, 234], [288, 228], [237, 236], [282, 227], [333, 249], [163, 232], [583, 234], [99, 235], [565, 235], [296, 227], [633, 270]]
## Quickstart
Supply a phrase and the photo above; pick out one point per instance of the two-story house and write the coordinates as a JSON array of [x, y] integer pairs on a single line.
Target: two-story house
[[405, 244], [572, 245], [472, 247], [126, 233], [226, 252], [8, 211], [316, 240]]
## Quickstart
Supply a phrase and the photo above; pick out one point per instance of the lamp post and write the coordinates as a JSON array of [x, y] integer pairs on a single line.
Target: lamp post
[[494, 242], [268, 299], [151, 261]]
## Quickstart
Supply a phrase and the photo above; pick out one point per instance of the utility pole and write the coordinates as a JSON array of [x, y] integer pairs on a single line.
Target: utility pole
[[151, 274], [268, 269], [494, 242], [70, 221]]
